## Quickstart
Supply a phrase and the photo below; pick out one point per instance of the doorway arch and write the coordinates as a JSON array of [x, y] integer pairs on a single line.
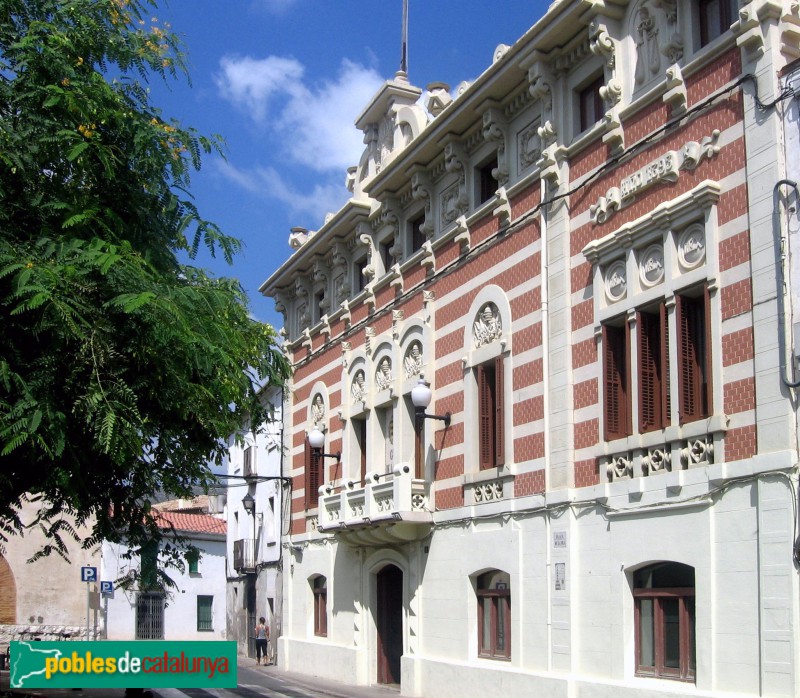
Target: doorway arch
[[8, 594], [389, 623]]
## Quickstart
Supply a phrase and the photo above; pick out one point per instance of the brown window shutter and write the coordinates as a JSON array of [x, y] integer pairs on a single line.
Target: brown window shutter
[[499, 442], [686, 367], [694, 374], [362, 445], [615, 382], [311, 466], [649, 398], [708, 407], [653, 385], [485, 418], [666, 402]]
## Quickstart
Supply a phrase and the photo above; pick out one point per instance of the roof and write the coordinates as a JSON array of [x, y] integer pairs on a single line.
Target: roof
[[192, 523]]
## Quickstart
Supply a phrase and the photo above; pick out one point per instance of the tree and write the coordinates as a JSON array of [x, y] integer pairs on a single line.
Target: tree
[[123, 370]]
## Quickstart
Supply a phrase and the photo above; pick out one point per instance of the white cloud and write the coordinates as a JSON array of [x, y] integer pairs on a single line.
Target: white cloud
[[266, 182], [312, 123], [250, 84]]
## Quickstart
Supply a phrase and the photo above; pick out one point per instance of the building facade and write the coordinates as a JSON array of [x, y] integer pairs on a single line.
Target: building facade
[[583, 254], [192, 609], [45, 599], [254, 503]]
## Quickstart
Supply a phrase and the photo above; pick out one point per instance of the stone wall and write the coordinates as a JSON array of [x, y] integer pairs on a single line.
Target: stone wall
[[44, 632]]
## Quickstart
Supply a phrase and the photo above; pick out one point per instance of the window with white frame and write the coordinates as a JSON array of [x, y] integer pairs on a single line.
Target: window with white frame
[[651, 328], [656, 293]]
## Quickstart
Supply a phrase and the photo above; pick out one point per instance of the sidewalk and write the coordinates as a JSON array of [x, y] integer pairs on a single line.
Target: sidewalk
[[334, 689]]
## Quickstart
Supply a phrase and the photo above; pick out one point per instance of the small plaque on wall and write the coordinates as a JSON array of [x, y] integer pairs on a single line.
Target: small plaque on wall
[[560, 539], [561, 576]]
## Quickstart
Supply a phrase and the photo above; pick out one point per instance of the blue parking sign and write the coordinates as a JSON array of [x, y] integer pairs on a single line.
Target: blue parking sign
[[88, 574], [106, 587]]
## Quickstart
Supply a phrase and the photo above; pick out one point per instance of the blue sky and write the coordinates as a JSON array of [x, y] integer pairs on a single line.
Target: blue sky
[[282, 82]]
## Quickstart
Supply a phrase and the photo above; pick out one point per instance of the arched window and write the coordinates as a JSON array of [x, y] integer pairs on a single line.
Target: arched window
[[494, 615], [664, 618], [319, 586]]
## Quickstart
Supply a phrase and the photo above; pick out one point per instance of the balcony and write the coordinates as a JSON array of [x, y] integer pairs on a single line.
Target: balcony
[[388, 508], [244, 555]]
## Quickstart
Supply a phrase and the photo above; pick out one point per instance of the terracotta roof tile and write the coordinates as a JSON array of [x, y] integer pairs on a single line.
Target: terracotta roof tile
[[195, 523]]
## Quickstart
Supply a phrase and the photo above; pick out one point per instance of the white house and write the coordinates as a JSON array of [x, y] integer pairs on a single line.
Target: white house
[[194, 609], [255, 497]]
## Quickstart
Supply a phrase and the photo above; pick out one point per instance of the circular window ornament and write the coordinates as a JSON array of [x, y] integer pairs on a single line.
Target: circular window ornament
[[651, 266], [692, 246], [616, 282]]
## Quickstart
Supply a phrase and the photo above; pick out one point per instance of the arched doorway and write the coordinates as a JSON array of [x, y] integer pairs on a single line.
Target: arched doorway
[[389, 621], [8, 594]]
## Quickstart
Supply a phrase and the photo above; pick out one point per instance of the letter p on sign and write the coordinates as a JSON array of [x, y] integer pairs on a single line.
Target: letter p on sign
[[88, 574]]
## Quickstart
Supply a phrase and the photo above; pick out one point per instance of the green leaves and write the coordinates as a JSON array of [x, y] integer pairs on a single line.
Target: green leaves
[[122, 372]]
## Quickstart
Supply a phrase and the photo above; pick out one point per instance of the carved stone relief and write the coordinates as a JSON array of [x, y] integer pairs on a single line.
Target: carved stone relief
[[616, 281], [658, 40], [666, 168], [358, 386], [692, 246], [317, 409], [529, 146], [487, 326], [412, 363], [651, 266], [383, 376]]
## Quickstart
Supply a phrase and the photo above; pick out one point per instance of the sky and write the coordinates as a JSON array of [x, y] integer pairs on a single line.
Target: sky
[[282, 81]]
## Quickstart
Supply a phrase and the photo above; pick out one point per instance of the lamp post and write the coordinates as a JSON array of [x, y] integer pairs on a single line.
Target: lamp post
[[421, 397], [316, 439], [249, 504]]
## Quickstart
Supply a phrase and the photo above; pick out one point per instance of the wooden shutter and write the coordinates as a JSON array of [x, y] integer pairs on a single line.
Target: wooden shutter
[[694, 368], [666, 400], [653, 348], [311, 466], [708, 407], [649, 380], [485, 418], [615, 381], [361, 436], [499, 434]]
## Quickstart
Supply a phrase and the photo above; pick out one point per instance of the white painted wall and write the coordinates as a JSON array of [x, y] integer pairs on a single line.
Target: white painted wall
[[180, 615], [578, 641]]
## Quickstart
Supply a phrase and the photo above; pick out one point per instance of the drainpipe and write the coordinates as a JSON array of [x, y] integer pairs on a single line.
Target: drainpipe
[[780, 247], [781, 243], [545, 300]]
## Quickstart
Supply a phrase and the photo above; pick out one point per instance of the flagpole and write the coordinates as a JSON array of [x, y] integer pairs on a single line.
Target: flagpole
[[404, 40]]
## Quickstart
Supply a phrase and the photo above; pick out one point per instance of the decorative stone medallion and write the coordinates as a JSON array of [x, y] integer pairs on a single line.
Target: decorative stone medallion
[[692, 246], [616, 281], [651, 266]]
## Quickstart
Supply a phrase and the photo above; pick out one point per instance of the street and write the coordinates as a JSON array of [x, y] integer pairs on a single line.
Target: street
[[253, 682]]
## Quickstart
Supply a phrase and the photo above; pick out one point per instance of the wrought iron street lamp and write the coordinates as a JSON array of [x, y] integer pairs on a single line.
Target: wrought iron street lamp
[[316, 439], [421, 397]]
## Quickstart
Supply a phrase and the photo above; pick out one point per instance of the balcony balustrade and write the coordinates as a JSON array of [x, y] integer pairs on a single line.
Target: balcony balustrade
[[386, 508]]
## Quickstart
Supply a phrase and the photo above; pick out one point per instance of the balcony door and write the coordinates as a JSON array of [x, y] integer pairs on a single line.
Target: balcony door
[[389, 620]]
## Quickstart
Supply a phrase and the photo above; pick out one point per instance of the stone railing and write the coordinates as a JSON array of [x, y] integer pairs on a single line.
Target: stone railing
[[382, 501]]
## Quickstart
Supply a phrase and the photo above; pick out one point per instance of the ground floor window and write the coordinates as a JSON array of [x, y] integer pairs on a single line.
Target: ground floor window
[[205, 619], [494, 615], [320, 588], [665, 621]]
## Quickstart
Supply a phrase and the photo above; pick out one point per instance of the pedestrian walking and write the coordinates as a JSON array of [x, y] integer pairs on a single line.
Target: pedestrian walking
[[262, 640]]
